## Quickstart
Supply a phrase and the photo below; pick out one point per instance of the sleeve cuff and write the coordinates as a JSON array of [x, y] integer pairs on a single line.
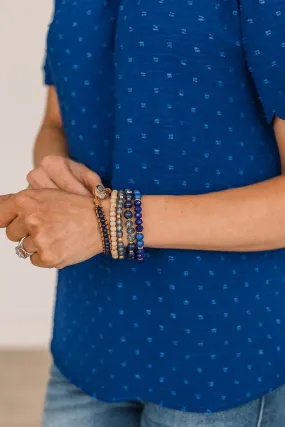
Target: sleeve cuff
[[47, 78], [273, 102]]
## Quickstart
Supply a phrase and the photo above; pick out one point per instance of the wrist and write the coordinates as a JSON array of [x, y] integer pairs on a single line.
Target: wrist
[[154, 210], [130, 221]]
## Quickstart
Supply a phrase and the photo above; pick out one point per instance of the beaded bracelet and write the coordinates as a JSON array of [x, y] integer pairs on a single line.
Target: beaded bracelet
[[140, 252], [101, 193], [113, 228], [119, 225], [128, 214]]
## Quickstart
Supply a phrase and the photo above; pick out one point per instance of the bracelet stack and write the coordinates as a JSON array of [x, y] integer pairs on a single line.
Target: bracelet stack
[[125, 212]]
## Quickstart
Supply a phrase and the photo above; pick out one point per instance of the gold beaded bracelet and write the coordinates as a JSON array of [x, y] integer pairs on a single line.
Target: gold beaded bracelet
[[114, 238]]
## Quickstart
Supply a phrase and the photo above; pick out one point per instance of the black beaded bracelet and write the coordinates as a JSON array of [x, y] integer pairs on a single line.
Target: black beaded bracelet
[[101, 193]]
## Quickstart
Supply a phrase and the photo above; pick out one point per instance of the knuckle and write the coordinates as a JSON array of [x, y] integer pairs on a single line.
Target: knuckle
[[93, 177], [30, 176], [47, 160], [33, 176], [50, 160], [33, 220], [91, 174], [22, 199], [82, 166], [48, 258]]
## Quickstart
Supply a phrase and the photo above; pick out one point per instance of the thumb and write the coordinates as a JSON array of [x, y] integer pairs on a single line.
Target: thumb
[[85, 175]]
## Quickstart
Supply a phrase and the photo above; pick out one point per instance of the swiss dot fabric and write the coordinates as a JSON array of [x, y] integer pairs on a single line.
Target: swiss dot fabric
[[172, 97]]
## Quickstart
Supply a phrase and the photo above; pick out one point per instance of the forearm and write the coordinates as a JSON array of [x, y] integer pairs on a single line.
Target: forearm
[[50, 141], [244, 219]]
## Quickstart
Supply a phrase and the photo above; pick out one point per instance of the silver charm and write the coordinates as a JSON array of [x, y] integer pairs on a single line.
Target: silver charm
[[101, 192]]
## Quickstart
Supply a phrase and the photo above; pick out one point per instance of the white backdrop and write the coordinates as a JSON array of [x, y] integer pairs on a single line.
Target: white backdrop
[[26, 293]]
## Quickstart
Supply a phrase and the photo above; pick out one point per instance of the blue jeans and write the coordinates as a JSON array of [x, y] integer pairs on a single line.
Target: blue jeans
[[67, 406]]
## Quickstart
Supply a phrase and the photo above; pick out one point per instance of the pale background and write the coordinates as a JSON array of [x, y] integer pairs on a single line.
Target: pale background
[[26, 293]]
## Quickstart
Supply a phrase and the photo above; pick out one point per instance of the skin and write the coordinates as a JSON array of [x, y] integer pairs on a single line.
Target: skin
[[62, 226], [57, 212], [53, 168]]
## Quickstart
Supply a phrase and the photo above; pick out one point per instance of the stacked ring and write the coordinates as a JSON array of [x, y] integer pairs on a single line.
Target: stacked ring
[[140, 252], [119, 225], [113, 214]]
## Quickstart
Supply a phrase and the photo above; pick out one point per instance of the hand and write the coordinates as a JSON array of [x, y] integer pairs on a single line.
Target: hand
[[59, 172], [62, 228]]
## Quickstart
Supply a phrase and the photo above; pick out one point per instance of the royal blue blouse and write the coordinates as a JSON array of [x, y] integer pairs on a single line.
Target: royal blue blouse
[[173, 97]]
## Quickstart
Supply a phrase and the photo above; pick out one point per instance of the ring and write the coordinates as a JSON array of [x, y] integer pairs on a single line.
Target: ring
[[21, 251]]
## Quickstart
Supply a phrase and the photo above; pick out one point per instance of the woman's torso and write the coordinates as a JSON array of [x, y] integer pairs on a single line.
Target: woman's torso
[[157, 95]]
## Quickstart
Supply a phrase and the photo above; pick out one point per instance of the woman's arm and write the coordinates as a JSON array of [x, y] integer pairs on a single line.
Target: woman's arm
[[62, 227], [53, 167], [51, 138], [251, 218]]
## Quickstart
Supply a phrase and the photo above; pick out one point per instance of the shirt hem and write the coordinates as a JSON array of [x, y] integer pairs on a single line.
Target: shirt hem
[[184, 408]]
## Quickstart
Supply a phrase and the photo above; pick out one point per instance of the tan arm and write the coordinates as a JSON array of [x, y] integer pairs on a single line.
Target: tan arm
[[51, 138], [250, 218]]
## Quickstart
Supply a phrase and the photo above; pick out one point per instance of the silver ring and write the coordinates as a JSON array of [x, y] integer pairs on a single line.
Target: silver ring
[[21, 251]]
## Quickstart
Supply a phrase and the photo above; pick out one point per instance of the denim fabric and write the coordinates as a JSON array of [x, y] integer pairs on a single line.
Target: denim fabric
[[67, 406]]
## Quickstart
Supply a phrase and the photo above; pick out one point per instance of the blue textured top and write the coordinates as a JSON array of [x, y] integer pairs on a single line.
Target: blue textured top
[[172, 97]]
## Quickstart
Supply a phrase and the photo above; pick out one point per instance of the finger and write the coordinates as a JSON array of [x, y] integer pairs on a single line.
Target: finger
[[5, 197], [38, 178], [16, 230], [62, 176], [8, 211], [37, 261], [29, 245], [85, 175]]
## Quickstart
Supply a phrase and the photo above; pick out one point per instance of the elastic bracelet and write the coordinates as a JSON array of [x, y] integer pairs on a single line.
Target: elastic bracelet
[[128, 214], [113, 226], [119, 225], [101, 193], [140, 252]]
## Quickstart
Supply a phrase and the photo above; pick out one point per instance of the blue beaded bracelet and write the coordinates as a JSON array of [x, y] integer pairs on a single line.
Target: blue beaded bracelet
[[140, 252], [119, 225], [131, 232]]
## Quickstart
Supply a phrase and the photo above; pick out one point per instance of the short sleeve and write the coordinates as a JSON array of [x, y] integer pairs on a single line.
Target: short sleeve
[[263, 28], [47, 73]]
